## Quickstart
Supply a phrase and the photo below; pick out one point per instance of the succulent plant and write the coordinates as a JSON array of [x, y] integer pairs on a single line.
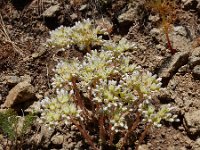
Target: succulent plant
[[119, 92]]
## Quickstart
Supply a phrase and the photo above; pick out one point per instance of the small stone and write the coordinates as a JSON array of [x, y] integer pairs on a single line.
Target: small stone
[[142, 47], [183, 69], [45, 136], [192, 122], [128, 17], [40, 51], [39, 96], [12, 80], [180, 30], [194, 59], [143, 147], [165, 96], [160, 47], [83, 7], [50, 12], [177, 60], [196, 72], [74, 16], [22, 92], [155, 32], [181, 128], [154, 18], [105, 23], [26, 78], [57, 139]]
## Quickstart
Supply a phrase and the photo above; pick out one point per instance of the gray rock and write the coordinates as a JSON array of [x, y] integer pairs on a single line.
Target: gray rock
[[44, 137], [176, 61], [57, 139], [192, 122], [180, 30], [196, 52], [154, 18], [183, 69], [194, 59], [196, 72], [22, 92], [179, 38], [26, 78], [128, 17], [143, 147], [12, 80], [40, 51], [73, 16], [83, 7], [160, 47], [50, 12], [155, 32]]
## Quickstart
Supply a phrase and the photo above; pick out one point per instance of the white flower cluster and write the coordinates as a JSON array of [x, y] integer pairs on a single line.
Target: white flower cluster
[[119, 47], [64, 72], [82, 34], [116, 88], [152, 116], [60, 108], [85, 35]]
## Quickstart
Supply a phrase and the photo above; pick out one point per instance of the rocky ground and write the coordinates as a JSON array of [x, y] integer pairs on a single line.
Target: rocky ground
[[26, 65]]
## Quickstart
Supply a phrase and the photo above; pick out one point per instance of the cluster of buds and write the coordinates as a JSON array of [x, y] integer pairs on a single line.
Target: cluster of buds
[[116, 88], [82, 34], [119, 47], [59, 108], [150, 114]]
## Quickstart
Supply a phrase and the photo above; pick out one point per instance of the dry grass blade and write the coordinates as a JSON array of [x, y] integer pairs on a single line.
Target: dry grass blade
[[7, 37]]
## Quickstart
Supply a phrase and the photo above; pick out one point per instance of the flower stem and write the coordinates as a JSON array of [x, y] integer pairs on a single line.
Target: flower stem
[[84, 133], [143, 135], [133, 127], [101, 129]]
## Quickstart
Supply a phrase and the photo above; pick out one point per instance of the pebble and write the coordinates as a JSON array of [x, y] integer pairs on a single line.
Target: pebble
[[192, 122], [50, 12], [22, 92], [196, 72]]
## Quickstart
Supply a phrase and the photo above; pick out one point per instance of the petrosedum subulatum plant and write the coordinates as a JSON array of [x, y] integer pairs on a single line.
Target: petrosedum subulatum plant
[[104, 88]]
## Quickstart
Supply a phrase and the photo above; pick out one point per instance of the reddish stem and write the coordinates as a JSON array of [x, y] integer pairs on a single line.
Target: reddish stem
[[143, 135], [78, 98], [101, 129], [133, 127], [169, 45], [77, 94], [84, 133], [111, 135]]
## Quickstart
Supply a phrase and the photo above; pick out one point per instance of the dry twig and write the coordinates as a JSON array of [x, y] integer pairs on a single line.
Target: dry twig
[[4, 31]]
